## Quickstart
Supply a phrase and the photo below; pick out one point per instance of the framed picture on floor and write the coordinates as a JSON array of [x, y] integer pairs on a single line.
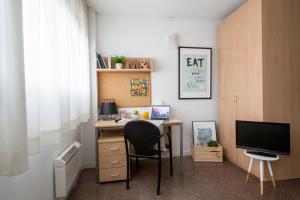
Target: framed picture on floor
[[203, 132], [194, 72]]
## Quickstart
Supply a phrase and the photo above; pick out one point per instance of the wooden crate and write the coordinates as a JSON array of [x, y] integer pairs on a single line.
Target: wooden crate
[[207, 154]]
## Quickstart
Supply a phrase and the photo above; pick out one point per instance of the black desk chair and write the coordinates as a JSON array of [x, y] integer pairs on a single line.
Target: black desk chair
[[143, 135]]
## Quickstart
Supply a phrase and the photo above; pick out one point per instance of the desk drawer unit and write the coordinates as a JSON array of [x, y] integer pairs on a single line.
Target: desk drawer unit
[[113, 174], [111, 161], [112, 157], [113, 148]]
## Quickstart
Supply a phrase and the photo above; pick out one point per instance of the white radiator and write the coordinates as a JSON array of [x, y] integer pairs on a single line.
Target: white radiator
[[67, 166]]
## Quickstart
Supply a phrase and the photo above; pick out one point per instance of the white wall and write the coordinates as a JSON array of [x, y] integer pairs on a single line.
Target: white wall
[[146, 36], [37, 183]]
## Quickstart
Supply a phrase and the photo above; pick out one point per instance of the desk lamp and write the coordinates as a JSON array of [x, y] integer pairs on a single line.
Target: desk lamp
[[108, 109]]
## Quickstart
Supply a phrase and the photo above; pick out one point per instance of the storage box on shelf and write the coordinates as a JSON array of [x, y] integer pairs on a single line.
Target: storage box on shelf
[[207, 154]]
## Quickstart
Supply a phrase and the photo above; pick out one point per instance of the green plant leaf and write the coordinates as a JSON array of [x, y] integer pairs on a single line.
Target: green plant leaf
[[212, 143], [119, 59]]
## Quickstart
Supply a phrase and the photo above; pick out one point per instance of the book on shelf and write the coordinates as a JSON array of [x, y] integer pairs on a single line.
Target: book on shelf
[[100, 61], [109, 62], [103, 60]]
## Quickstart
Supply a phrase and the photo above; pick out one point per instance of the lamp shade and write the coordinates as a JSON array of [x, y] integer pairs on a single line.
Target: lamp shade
[[108, 108]]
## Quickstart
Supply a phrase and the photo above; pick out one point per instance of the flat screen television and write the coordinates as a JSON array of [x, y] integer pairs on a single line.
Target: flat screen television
[[263, 138]]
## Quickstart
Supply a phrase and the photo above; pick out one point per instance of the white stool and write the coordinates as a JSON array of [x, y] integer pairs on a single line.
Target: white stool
[[261, 168]]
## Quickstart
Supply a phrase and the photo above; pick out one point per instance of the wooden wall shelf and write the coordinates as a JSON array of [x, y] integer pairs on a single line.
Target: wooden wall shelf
[[124, 70], [132, 64], [115, 83]]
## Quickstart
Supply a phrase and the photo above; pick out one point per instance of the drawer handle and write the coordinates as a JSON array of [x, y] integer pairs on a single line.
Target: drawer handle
[[115, 162], [115, 175], [115, 148]]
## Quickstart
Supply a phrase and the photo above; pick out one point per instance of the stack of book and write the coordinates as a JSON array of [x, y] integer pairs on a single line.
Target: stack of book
[[103, 63]]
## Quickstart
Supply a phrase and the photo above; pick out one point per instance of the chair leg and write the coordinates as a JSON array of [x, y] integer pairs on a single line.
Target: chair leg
[[171, 154], [159, 176], [137, 164], [127, 163], [127, 178]]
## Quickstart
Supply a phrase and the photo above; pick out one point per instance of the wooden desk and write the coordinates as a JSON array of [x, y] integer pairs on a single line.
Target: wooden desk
[[101, 126]]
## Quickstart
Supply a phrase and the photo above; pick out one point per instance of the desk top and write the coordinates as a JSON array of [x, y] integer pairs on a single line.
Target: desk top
[[113, 124]]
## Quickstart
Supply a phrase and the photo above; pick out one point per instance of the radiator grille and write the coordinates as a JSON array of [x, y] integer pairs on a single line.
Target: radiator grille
[[67, 168], [68, 156]]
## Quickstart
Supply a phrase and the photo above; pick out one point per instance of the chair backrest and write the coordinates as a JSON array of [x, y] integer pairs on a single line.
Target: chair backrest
[[143, 136]]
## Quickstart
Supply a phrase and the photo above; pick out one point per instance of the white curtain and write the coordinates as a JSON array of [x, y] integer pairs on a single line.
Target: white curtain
[[56, 69], [13, 137]]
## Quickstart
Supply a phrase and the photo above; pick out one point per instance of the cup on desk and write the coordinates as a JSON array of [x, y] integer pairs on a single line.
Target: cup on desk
[[135, 117], [145, 115]]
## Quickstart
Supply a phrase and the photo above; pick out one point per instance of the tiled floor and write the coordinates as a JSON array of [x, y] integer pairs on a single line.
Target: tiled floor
[[206, 181]]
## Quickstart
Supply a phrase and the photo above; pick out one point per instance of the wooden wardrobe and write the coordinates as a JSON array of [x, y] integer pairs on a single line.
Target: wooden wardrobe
[[259, 76]]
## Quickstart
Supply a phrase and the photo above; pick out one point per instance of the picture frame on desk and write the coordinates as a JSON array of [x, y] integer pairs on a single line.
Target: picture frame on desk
[[194, 72]]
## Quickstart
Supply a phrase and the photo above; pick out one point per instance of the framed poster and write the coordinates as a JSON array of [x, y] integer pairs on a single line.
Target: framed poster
[[204, 132], [194, 72]]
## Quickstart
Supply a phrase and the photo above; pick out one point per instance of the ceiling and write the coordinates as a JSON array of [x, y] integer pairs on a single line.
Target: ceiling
[[189, 9]]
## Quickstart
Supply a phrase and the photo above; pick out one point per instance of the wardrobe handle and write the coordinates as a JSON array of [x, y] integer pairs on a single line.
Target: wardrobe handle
[[234, 98]]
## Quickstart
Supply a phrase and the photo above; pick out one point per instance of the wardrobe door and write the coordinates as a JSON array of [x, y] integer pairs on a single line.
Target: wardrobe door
[[240, 68], [227, 105], [249, 68], [227, 117], [227, 88], [281, 72]]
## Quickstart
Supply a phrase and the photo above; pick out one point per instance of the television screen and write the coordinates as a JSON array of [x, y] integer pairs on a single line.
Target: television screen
[[263, 136]]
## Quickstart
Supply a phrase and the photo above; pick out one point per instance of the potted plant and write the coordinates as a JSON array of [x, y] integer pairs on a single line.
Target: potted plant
[[119, 61], [212, 143]]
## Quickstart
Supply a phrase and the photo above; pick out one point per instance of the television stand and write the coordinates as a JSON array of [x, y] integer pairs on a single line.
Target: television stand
[[261, 159], [259, 153]]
